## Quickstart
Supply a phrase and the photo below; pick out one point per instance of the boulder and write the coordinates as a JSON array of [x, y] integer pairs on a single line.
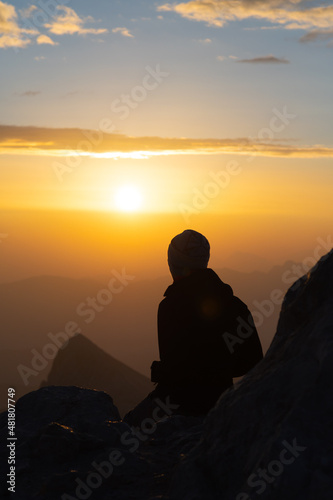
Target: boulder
[[71, 444]]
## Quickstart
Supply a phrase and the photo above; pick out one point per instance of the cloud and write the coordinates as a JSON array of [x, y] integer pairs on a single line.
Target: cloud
[[315, 35], [66, 142], [69, 23], [10, 33], [27, 12], [44, 39], [64, 22], [205, 41], [265, 60], [39, 58], [252, 28], [221, 58], [123, 31], [296, 14], [71, 93], [30, 93], [8, 17], [13, 41]]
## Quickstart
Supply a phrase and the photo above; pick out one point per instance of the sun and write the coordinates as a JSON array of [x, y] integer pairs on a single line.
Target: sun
[[128, 198]]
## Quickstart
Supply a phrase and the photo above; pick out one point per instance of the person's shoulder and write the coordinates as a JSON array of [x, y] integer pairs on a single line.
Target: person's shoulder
[[201, 279], [169, 300], [169, 290], [235, 303], [216, 281]]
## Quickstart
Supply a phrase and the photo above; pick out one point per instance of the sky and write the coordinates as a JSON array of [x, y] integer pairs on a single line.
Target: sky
[[126, 122]]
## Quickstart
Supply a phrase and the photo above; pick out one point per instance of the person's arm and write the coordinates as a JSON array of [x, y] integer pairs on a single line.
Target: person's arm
[[243, 344], [172, 333]]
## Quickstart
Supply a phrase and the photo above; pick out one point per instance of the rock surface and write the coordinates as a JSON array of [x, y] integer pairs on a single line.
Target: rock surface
[[269, 437], [284, 403], [71, 444]]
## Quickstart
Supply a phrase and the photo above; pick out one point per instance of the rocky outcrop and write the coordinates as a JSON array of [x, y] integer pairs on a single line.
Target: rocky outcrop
[[269, 437], [71, 444]]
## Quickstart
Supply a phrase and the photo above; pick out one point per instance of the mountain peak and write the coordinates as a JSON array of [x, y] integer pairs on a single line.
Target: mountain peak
[[81, 362]]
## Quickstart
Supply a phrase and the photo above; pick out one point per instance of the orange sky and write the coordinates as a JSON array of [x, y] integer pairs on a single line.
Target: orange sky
[[86, 243], [217, 114], [273, 207]]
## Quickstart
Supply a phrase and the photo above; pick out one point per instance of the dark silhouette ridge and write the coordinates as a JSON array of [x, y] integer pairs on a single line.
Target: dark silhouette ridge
[[82, 363]]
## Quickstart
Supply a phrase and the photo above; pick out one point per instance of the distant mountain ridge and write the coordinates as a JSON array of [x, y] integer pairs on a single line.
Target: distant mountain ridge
[[82, 363], [246, 262]]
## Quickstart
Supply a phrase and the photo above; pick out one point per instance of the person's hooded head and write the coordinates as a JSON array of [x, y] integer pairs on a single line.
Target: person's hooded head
[[187, 252]]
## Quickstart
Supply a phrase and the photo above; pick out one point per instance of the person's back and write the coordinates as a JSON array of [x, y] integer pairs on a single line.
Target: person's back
[[196, 320], [195, 316]]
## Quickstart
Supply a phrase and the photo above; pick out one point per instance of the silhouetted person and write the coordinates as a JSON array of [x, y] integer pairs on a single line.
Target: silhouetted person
[[206, 335]]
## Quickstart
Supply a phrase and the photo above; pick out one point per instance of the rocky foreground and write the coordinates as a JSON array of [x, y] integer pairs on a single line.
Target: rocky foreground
[[269, 437]]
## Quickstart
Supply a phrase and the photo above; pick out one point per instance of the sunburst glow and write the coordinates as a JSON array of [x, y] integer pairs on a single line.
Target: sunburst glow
[[128, 198]]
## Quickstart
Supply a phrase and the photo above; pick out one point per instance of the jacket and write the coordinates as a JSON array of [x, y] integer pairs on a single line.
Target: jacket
[[206, 337]]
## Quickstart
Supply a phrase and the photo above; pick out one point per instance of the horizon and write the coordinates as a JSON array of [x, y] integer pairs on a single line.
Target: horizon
[[83, 244]]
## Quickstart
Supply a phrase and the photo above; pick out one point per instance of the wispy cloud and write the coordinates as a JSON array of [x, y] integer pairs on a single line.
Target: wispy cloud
[[67, 22], [30, 93], [65, 142], [267, 28], [123, 32], [265, 60], [295, 14], [205, 41], [315, 35], [28, 11], [71, 93]]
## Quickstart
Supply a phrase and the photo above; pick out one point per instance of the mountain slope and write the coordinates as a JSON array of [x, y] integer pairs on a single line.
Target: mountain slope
[[84, 364]]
